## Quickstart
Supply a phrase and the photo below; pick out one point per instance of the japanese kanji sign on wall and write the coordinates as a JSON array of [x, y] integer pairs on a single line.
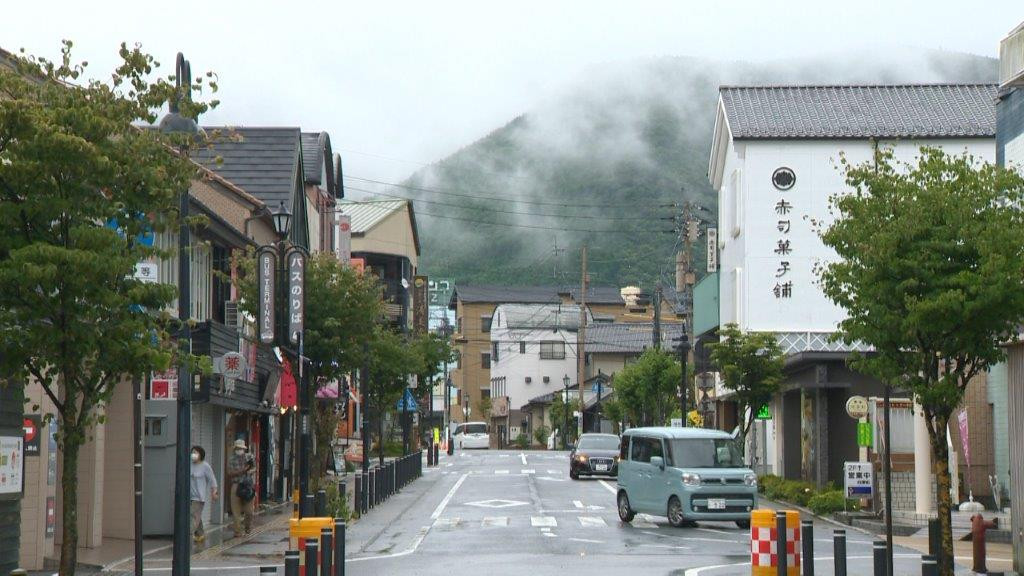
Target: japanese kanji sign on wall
[[12, 452], [783, 180], [344, 238], [296, 294]]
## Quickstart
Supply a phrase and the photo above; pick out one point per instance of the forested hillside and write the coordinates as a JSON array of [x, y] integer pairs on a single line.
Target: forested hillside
[[608, 165]]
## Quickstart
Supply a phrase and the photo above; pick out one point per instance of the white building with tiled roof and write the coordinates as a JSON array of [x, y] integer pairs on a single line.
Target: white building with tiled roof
[[774, 164]]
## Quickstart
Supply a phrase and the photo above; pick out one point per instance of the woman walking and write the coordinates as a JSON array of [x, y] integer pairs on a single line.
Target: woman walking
[[202, 483]]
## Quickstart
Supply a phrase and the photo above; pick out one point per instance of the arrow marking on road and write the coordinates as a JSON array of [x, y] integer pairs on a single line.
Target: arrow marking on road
[[497, 503]]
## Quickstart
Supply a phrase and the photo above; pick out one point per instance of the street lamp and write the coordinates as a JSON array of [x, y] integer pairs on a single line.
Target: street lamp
[[565, 407], [176, 123], [282, 221]]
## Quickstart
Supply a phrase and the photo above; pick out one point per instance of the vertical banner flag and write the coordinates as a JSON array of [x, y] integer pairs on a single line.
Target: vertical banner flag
[[296, 294], [265, 264], [961, 419], [345, 239], [420, 314]]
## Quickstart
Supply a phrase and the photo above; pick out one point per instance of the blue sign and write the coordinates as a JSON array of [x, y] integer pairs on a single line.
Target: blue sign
[[408, 400]]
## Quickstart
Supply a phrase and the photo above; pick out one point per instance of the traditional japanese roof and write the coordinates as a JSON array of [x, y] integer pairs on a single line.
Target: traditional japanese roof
[[628, 338], [262, 161], [895, 111]]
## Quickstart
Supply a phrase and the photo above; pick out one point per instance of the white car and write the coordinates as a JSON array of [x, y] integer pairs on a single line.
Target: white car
[[471, 435]]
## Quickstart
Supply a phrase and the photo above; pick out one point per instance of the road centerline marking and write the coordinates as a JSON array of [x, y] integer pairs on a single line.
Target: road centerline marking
[[448, 498]]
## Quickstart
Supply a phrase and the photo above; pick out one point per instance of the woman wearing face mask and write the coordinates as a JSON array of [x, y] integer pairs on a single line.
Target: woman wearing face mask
[[202, 483]]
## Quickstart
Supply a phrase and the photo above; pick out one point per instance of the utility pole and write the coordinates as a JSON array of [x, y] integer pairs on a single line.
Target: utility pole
[[656, 339], [582, 337], [685, 278], [555, 251]]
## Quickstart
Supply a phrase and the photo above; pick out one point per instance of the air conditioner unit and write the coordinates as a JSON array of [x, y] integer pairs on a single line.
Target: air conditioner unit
[[232, 317], [529, 380], [547, 379]]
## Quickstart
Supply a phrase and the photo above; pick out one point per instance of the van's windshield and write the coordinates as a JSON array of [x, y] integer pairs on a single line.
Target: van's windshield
[[704, 453], [473, 429]]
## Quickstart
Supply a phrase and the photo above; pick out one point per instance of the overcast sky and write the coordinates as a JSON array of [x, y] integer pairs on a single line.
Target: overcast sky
[[398, 84]]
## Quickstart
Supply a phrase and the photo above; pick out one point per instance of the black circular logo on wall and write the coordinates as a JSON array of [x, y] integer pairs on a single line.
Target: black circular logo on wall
[[783, 178]]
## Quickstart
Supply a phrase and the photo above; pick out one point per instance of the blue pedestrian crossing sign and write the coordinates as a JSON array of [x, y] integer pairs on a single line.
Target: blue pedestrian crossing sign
[[408, 401]]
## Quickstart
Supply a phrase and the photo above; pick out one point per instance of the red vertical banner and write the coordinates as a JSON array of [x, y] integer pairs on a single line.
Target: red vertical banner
[[289, 388], [961, 419]]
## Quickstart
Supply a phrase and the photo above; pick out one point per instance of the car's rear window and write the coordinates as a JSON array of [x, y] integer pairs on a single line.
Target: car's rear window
[[598, 442], [474, 429]]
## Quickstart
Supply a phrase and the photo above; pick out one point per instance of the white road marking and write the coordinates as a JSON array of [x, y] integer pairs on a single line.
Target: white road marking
[[587, 541], [608, 486], [577, 503], [713, 531], [497, 503], [501, 471], [447, 522], [549, 479], [448, 498], [592, 521], [527, 471], [495, 521], [554, 472], [549, 534], [675, 536], [523, 456], [537, 521], [643, 522], [502, 455], [412, 548]]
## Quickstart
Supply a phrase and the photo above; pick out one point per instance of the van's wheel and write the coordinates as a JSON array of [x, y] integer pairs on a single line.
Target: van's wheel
[[744, 524], [626, 514], [675, 513]]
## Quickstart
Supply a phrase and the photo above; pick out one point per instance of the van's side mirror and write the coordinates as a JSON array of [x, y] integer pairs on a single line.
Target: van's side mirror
[[658, 461]]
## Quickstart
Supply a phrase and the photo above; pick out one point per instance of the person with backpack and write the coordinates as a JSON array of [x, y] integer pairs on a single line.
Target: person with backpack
[[243, 490], [203, 483]]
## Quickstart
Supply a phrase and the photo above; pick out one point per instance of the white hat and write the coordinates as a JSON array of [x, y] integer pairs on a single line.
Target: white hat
[[240, 444]]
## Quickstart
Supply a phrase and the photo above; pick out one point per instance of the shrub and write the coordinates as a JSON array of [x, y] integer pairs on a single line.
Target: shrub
[[522, 441], [541, 435], [798, 493], [831, 501]]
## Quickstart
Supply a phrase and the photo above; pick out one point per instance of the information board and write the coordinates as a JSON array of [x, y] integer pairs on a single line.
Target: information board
[[858, 480]]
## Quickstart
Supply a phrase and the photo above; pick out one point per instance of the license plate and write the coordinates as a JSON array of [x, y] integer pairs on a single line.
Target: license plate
[[601, 467], [716, 503]]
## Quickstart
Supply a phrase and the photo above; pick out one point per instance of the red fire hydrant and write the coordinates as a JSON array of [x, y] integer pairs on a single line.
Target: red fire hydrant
[[978, 527]]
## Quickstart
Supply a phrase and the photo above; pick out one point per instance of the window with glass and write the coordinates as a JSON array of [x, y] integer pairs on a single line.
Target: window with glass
[[645, 448], [704, 453], [552, 350], [485, 359], [485, 324]]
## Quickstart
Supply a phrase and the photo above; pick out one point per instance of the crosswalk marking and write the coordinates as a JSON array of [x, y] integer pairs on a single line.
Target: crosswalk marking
[[643, 521], [501, 471], [448, 522], [577, 503], [592, 521], [537, 521], [554, 472], [490, 521], [528, 471]]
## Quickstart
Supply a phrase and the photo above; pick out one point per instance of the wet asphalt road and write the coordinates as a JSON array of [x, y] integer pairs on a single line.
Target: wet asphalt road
[[496, 513]]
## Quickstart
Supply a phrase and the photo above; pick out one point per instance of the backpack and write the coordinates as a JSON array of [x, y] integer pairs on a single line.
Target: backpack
[[245, 490]]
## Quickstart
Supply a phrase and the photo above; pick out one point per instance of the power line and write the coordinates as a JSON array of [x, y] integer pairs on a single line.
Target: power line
[[464, 194], [501, 211]]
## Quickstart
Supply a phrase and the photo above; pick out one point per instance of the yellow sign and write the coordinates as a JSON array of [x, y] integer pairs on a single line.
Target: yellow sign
[[437, 435]]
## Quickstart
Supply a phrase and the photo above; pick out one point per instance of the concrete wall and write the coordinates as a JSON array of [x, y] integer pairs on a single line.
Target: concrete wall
[[470, 342], [1016, 421], [118, 464], [394, 235]]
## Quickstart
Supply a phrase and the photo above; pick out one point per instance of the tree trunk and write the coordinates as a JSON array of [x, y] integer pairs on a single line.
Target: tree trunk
[[940, 464], [72, 443]]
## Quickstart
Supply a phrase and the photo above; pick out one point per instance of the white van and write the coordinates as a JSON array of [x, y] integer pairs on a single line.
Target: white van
[[471, 435]]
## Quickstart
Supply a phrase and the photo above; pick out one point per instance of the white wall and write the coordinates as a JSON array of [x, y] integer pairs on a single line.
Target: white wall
[[516, 366], [749, 261]]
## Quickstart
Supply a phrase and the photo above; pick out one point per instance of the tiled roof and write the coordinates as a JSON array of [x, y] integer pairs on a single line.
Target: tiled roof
[[532, 316], [628, 338], [316, 149], [365, 215], [897, 111], [500, 294], [261, 161]]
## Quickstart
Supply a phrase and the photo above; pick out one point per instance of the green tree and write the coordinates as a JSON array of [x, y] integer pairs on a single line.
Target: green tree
[[931, 260], [430, 352], [79, 183], [646, 389], [751, 368], [391, 362]]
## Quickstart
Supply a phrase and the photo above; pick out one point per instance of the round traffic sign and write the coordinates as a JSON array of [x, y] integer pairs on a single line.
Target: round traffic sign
[[857, 407], [30, 430]]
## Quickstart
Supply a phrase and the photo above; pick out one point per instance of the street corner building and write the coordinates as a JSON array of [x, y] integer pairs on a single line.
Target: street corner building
[[774, 159]]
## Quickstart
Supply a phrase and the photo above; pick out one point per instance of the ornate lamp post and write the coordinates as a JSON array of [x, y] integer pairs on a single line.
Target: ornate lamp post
[[175, 123]]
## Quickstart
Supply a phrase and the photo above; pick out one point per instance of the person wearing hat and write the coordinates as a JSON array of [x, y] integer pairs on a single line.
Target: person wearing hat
[[240, 468]]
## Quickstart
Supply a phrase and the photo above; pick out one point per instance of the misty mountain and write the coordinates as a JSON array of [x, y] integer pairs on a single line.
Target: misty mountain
[[609, 164]]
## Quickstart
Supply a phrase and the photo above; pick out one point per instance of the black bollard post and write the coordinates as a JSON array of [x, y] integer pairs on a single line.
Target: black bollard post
[[807, 539], [321, 503], [343, 490], [308, 506], [929, 565], [268, 569], [839, 543], [437, 453], [312, 556], [339, 548], [370, 488], [291, 563], [935, 540], [357, 494], [781, 543], [326, 549], [879, 549], [430, 456]]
